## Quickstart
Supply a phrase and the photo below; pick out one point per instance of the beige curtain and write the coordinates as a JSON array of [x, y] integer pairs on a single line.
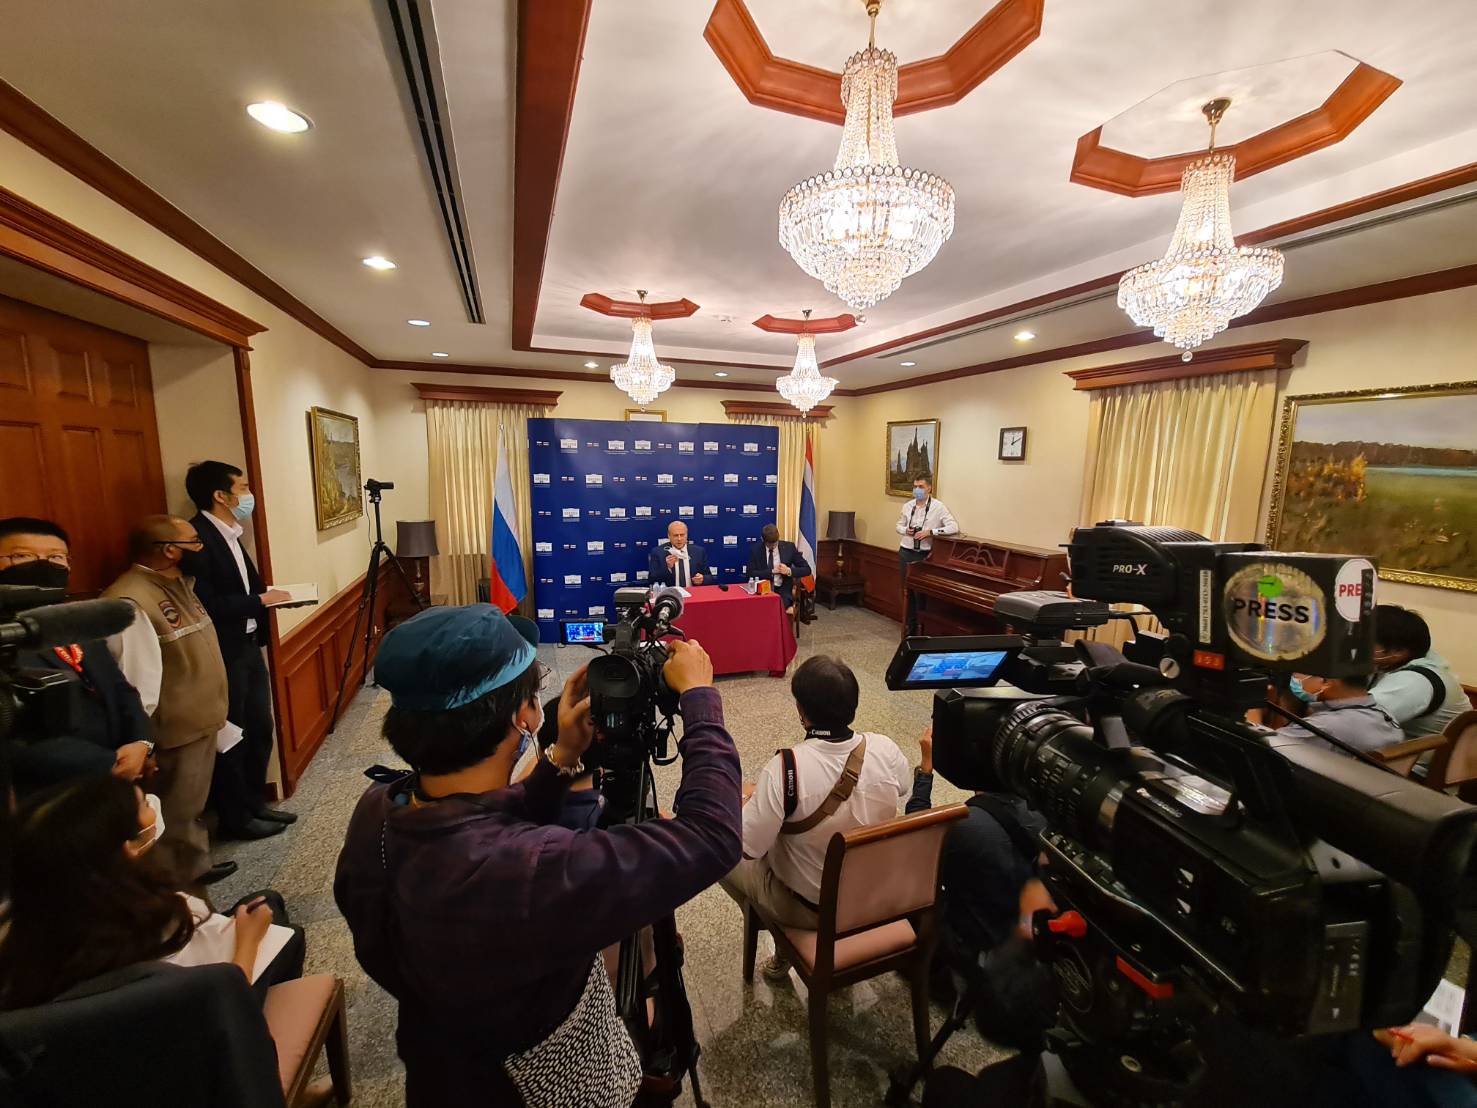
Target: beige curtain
[[1190, 453], [794, 434], [462, 443]]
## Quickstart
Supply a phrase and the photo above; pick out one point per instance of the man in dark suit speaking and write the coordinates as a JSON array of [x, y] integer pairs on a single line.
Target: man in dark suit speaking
[[675, 562], [779, 561]]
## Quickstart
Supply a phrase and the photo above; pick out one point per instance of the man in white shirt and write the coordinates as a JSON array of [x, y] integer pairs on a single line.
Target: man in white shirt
[[842, 779], [676, 561], [920, 520]]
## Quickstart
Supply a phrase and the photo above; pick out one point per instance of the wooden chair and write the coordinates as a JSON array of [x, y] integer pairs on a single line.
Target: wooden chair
[[1455, 763], [306, 1017], [1402, 757], [803, 610], [879, 889]]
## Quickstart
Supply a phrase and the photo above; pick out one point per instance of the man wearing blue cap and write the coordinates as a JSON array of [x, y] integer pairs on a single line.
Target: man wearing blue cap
[[480, 914]]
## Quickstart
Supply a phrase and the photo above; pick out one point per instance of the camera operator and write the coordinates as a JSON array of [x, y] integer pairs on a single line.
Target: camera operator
[[842, 779], [474, 909], [110, 731], [1415, 684], [990, 890]]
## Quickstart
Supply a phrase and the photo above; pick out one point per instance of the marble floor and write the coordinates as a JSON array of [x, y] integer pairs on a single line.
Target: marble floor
[[753, 1035]]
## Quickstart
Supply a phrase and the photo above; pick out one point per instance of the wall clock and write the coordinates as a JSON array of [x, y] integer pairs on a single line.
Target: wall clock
[[1012, 444]]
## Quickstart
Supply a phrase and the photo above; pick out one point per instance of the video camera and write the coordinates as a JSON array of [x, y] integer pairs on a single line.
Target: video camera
[[1202, 865]]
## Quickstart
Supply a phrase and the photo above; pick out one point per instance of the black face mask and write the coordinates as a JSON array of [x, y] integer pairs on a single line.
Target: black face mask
[[38, 573]]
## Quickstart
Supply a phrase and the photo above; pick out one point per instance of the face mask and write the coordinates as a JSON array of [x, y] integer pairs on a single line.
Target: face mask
[[919, 494], [245, 505], [150, 835], [38, 573], [1296, 688]]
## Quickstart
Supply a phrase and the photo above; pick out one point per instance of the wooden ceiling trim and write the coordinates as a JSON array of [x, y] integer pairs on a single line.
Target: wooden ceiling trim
[[1355, 99], [483, 394]]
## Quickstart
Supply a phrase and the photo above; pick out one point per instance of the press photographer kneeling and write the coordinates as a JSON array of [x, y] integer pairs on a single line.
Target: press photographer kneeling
[[480, 914]]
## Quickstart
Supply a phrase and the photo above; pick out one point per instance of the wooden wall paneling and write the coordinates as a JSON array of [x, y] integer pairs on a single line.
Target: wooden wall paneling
[[882, 587], [309, 662]]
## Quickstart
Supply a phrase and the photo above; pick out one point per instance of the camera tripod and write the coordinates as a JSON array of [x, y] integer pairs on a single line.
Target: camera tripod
[[664, 1034], [367, 596]]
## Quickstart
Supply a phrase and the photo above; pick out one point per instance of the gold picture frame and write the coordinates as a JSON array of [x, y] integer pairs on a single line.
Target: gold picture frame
[[912, 458], [333, 438], [1418, 519], [642, 415]]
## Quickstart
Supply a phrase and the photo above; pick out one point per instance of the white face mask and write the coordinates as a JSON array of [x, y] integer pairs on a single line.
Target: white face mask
[[147, 837]]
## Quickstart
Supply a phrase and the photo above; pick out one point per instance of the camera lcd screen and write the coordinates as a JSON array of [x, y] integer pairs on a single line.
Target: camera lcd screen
[[584, 632], [956, 667]]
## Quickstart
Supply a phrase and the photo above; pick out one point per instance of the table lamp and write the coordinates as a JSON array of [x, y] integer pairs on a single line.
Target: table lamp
[[841, 526], [415, 541]]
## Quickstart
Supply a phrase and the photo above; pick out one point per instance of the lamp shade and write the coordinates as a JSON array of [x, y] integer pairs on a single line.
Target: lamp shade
[[415, 538], [841, 525]]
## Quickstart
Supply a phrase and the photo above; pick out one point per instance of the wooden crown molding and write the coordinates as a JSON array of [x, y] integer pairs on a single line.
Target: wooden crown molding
[[1276, 354], [38, 238], [1399, 289], [480, 394], [551, 42], [52, 139], [1363, 205], [636, 309], [831, 325], [1349, 105], [782, 411], [766, 81]]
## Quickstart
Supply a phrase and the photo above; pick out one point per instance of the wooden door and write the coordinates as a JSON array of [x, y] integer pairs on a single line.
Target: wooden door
[[78, 440]]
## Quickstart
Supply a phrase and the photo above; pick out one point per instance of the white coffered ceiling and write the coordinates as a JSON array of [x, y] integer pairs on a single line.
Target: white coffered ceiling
[[671, 179]]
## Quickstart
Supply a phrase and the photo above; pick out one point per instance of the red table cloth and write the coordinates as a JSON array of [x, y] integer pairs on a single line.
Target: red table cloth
[[741, 633]]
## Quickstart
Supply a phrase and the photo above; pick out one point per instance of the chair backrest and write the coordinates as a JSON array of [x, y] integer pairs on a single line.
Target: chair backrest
[[877, 874], [147, 1036], [1456, 762]]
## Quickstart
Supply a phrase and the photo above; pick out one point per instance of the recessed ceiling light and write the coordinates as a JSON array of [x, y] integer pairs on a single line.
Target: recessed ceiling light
[[439, 354], [907, 365], [720, 373], [1024, 336], [592, 365], [278, 117], [375, 261], [419, 322]]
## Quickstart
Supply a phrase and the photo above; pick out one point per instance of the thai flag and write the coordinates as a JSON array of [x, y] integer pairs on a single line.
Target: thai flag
[[805, 537], [508, 584]]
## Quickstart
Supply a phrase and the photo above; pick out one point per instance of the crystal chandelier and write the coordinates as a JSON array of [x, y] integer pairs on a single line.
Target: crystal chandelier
[[867, 224], [1205, 280], [641, 376], [803, 386]]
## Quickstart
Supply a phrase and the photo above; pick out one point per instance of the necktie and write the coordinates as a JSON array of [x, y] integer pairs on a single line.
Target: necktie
[[681, 572]]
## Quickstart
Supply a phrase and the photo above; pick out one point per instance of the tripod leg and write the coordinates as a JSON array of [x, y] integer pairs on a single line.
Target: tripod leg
[[900, 1090], [343, 680], [371, 592]]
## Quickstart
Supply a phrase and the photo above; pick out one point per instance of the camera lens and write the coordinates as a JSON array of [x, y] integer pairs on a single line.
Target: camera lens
[[1050, 757]]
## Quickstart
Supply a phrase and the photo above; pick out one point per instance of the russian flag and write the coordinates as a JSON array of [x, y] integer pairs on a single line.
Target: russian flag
[[805, 533], [508, 583]]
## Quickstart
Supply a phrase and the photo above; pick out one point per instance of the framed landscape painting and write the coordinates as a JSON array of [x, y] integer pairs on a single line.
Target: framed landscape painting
[[335, 448], [1389, 473], [912, 452]]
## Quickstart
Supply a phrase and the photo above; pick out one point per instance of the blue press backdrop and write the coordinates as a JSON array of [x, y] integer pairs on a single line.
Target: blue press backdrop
[[604, 491]]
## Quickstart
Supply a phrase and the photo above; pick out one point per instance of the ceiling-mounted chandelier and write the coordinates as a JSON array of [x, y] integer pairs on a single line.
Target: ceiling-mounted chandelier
[[641, 376], [803, 386], [869, 222], [1205, 280]]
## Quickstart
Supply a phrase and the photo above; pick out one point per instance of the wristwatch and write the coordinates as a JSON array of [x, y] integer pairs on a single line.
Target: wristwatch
[[150, 744], [563, 771]]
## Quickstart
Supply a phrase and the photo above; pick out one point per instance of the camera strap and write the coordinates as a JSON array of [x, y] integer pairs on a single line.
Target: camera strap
[[839, 794], [1438, 687]]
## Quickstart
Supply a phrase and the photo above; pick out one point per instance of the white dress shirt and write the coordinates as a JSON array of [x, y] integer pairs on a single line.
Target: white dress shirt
[[232, 533], [929, 514], [774, 562], [797, 860], [136, 650], [682, 571]]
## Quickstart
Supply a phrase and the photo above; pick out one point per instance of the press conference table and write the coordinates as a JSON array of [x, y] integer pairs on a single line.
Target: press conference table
[[741, 633]]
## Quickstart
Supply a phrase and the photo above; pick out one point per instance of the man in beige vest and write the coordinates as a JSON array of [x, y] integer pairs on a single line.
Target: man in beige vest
[[192, 691]]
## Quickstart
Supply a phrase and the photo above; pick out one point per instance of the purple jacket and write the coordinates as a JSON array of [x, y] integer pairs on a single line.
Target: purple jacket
[[481, 915]]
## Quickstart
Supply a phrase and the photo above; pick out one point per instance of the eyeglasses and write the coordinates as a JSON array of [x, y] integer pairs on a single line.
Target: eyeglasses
[[26, 559], [179, 542]]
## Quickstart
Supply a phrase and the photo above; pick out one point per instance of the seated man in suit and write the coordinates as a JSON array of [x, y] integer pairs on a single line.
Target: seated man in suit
[[674, 562], [780, 561], [108, 730]]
